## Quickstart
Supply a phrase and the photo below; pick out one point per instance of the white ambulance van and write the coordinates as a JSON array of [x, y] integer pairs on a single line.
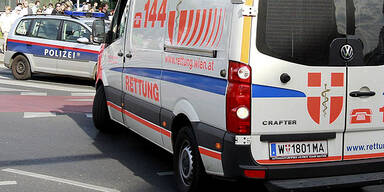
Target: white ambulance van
[[289, 92]]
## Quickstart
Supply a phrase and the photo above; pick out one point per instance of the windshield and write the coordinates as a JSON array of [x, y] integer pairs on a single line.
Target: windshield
[[302, 31]]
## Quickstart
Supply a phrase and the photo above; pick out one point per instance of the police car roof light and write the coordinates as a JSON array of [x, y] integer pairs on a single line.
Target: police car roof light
[[84, 14]]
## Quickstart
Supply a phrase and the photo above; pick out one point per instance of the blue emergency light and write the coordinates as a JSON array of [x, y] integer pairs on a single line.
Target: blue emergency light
[[84, 14]]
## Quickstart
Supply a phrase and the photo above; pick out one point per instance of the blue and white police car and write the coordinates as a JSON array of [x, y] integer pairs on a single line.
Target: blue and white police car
[[54, 44]]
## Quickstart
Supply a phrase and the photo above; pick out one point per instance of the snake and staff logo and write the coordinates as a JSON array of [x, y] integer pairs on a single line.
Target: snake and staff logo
[[325, 104]]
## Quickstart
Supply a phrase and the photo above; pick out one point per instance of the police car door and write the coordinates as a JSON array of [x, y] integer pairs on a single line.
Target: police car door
[[44, 45], [299, 81], [77, 58], [365, 100], [142, 69]]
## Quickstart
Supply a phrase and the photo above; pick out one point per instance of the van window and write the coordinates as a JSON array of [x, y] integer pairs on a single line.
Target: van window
[[72, 31], [23, 27], [117, 18], [46, 28], [302, 31], [299, 31]]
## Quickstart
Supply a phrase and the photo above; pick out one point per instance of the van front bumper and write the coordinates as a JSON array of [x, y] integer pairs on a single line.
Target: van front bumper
[[302, 177]]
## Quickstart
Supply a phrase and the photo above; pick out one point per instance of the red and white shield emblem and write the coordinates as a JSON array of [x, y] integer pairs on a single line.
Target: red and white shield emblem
[[336, 102]]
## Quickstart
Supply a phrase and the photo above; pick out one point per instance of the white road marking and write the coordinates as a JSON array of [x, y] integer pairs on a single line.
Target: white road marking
[[82, 94], [5, 89], [44, 86], [88, 115], [80, 100], [34, 93], [8, 183], [60, 180], [4, 77], [166, 173], [38, 114]]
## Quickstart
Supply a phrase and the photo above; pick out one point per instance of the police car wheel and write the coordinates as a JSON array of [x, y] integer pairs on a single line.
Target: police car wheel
[[21, 69], [187, 162], [100, 115]]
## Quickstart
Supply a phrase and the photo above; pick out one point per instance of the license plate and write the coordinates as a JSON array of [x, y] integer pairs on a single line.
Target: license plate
[[298, 150]]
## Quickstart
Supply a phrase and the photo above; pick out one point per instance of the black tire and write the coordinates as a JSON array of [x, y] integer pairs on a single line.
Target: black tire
[[189, 169], [100, 114], [21, 69]]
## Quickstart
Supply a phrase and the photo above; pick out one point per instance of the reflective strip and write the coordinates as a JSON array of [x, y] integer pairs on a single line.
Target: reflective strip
[[291, 161], [140, 120], [245, 46], [363, 156], [210, 153]]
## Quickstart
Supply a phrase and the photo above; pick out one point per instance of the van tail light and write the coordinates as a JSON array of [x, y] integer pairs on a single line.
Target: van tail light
[[239, 98]]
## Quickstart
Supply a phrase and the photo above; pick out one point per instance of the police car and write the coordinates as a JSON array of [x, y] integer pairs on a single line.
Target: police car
[[52, 44], [288, 92]]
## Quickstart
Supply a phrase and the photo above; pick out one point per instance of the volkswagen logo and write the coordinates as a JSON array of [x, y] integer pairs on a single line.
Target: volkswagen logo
[[346, 52]]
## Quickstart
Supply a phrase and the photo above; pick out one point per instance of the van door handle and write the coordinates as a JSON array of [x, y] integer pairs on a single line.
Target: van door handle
[[362, 94], [120, 54], [128, 55]]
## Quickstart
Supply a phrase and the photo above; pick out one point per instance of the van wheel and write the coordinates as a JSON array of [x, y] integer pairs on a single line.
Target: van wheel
[[100, 114], [21, 68], [187, 162]]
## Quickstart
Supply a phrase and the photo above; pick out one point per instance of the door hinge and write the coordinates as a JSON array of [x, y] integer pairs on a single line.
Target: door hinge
[[249, 11]]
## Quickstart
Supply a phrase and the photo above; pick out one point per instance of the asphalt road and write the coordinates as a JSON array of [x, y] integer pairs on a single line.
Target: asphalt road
[[48, 143]]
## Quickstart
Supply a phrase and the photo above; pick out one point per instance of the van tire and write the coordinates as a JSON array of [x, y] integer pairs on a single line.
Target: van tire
[[100, 114], [188, 179], [21, 69]]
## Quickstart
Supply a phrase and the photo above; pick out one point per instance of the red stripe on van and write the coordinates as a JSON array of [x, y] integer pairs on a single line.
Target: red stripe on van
[[210, 153], [291, 161], [208, 27], [191, 15], [201, 27], [363, 156], [183, 20], [222, 29], [197, 22], [171, 25], [213, 28], [218, 28], [141, 120]]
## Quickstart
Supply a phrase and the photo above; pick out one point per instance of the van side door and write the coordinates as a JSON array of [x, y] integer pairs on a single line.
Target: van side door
[[142, 73], [113, 63]]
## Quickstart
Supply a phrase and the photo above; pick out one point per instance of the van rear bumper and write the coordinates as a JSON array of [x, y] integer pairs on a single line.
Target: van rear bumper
[[302, 177], [323, 183]]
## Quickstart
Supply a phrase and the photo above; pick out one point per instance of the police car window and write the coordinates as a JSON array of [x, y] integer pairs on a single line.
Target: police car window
[[23, 27], [300, 31], [73, 31], [46, 28]]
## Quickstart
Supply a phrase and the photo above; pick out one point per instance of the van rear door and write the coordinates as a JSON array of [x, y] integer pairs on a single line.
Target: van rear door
[[299, 81], [365, 104]]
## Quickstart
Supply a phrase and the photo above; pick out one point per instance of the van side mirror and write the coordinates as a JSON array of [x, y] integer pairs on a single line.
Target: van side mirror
[[98, 31]]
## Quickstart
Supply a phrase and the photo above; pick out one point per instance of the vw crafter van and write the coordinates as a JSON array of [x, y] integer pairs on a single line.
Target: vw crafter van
[[289, 92]]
